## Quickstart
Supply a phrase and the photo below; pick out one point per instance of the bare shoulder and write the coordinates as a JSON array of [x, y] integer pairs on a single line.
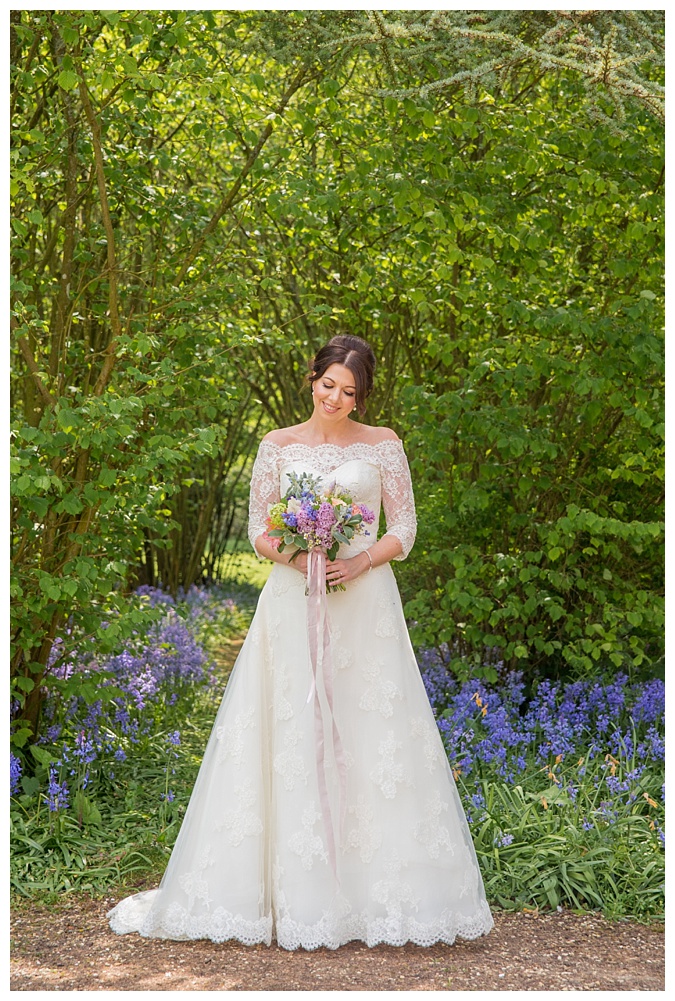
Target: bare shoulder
[[283, 436], [378, 434]]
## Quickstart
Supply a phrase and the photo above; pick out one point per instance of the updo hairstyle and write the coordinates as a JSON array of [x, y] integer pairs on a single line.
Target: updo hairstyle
[[356, 355]]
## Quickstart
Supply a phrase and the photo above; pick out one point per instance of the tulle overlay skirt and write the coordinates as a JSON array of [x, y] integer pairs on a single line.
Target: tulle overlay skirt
[[371, 843]]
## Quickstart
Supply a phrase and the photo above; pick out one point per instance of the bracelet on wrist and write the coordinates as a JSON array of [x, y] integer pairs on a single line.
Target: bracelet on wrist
[[370, 560]]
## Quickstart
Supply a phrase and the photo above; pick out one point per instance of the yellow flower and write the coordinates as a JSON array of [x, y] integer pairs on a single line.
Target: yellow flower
[[275, 513]]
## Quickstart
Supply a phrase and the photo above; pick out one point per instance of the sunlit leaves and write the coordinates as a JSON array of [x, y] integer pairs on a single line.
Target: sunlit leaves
[[502, 254]]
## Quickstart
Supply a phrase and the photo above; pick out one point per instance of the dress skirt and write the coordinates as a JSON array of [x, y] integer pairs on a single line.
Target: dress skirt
[[320, 816]]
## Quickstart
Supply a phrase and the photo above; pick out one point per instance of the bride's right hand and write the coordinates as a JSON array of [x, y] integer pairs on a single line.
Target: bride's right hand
[[300, 563]]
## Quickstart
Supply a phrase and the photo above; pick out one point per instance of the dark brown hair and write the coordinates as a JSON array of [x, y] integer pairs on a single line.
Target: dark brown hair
[[356, 355]]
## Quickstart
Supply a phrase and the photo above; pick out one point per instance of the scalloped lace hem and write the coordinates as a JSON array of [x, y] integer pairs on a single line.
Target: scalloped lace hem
[[178, 924], [136, 915]]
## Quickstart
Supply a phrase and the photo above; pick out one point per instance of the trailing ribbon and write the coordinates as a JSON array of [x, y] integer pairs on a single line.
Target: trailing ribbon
[[322, 668]]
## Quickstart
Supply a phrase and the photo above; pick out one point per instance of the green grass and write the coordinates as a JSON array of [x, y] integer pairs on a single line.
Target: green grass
[[244, 568]]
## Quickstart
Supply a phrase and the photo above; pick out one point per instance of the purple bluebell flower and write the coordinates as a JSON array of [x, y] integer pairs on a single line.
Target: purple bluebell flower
[[85, 747], [57, 793], [155, 595], [14, 774]]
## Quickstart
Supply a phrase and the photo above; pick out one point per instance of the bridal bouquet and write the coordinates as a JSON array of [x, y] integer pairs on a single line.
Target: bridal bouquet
[[310, 518]]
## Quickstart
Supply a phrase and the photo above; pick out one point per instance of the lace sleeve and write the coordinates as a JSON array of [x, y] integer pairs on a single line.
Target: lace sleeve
[[264, 489], [398, 500]]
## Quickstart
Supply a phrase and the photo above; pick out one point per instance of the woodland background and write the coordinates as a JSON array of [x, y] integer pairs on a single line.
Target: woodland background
[[200, 199]]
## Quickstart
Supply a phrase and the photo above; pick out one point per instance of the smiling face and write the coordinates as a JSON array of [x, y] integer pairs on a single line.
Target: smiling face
[[334, 392]]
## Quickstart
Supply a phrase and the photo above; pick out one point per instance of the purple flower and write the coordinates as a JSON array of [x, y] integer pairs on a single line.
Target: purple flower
[[57, 793], [367, 514], [325, 517], [306, 518], [155, 594], [14, 773], [85, 747], [576, 719], [173, 738]]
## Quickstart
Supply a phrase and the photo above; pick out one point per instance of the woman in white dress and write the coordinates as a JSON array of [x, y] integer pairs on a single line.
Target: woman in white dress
[[325, 809]]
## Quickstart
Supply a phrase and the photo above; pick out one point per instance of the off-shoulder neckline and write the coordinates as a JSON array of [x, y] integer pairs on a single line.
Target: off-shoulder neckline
[[330, 444]]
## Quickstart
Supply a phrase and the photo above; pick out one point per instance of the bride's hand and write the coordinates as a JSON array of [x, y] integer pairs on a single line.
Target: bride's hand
[[342, 571], [300, 563]]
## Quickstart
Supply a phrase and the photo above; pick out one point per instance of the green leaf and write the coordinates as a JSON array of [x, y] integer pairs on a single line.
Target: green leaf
[[30, 784], [41, 755], [67, 79]]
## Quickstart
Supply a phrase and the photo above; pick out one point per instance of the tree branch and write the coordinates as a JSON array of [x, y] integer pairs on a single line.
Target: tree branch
[[109, 363], [33, 369], [227, 202]]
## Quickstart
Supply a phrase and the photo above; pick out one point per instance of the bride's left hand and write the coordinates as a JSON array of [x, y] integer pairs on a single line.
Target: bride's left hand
[[342, 571]]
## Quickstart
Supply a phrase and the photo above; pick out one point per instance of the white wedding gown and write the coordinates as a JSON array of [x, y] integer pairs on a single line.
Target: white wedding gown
[[253, 859]]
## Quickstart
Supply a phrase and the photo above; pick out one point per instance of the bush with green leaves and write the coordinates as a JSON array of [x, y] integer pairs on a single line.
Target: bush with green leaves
[[200, 199]]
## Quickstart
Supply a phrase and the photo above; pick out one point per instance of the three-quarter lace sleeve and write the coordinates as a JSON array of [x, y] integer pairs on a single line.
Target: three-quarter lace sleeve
[[264, 489], [398, 500]]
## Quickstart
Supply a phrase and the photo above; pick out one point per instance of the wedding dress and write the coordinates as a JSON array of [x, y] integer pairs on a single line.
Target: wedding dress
[[255, 858]]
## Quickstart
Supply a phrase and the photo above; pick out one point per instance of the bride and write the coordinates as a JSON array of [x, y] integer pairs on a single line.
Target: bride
[[325, 809]]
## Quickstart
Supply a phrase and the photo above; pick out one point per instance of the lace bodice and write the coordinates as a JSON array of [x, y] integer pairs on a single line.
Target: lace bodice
[[374, 475]]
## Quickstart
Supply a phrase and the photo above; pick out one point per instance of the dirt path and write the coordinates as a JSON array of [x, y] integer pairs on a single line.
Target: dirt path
[[71, 948]]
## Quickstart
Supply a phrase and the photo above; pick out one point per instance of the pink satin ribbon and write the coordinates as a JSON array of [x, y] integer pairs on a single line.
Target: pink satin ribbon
[[318, 629]]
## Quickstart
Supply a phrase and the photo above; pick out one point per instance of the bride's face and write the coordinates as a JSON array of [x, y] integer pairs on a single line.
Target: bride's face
[[334, 392]]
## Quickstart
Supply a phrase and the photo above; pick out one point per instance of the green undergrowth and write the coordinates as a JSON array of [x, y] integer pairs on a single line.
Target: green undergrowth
[[548, 860], [127, 835], [537, 850]]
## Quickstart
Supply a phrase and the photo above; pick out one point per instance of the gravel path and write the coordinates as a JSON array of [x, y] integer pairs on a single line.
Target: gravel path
[[71, 948]]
